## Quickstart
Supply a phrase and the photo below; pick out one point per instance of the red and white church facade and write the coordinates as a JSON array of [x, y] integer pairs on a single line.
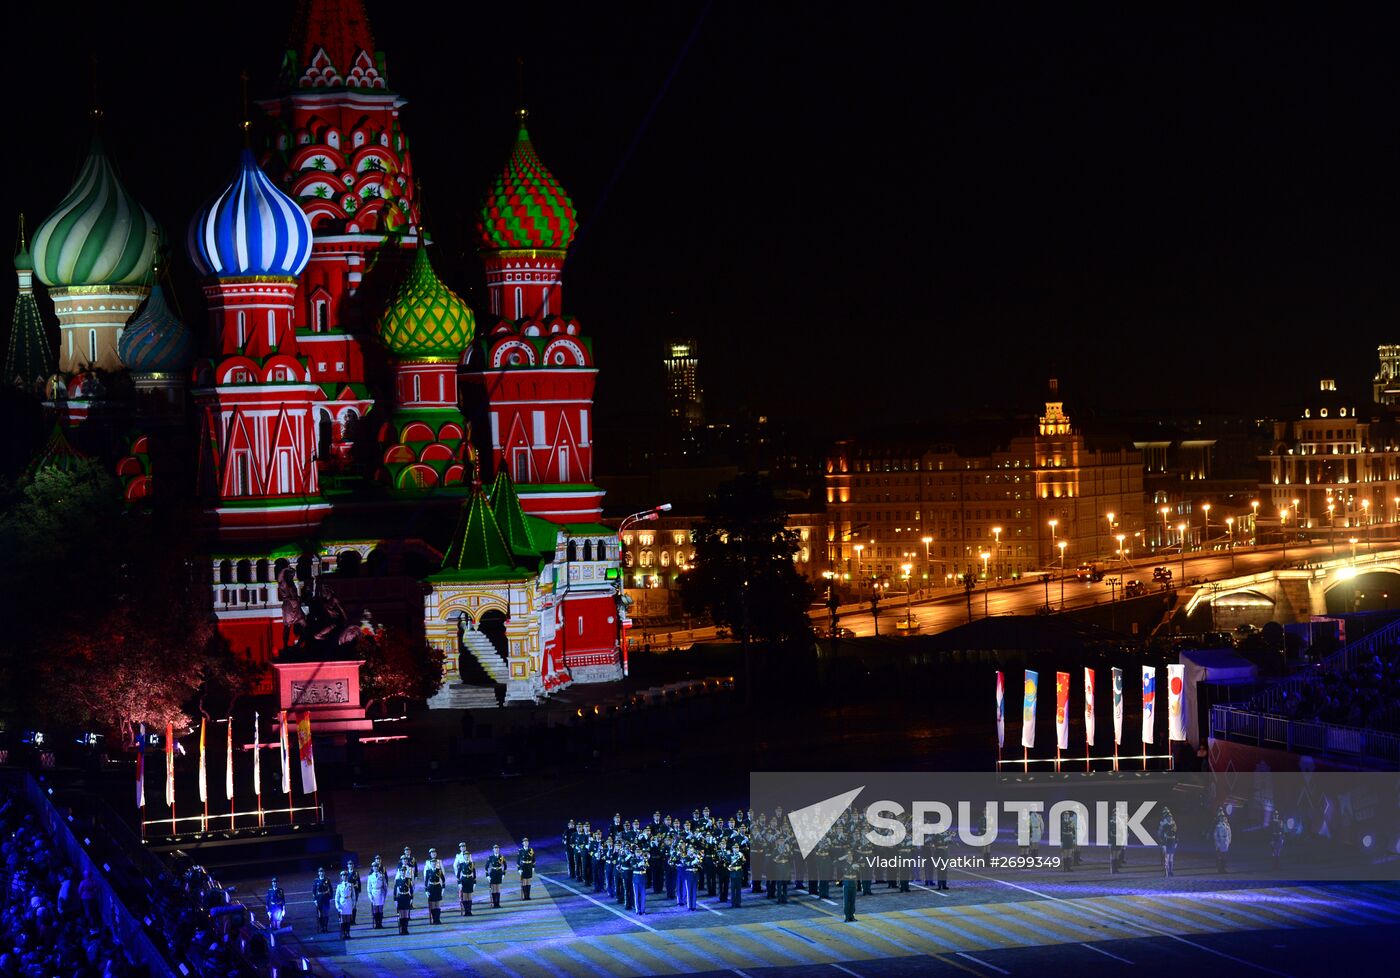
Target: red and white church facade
[[346, 415]]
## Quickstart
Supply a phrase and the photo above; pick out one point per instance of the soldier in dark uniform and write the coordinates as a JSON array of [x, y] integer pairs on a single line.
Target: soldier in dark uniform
[[710, 861], [610, 866], [674, 857], [722, 871], [822, 867], [525, 863], [656, 856], [641, 863], [942, 842], [1167, 835], [624, 875], [403, 896], [434, 880], [570, 837], [1069, 840], [690, 877], [407, 857], [321, 894], [495, 874], [735, 866], [850, 879], [276, 904], [600, 862], [465, 871], [1221, 836], [865, 852], [1276, 837], [1115, 844], [617, 828], [782, 869], [353, 872]]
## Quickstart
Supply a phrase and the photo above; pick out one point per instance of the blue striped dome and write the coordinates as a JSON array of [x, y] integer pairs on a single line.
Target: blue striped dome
[[156, 341], [252, 228]]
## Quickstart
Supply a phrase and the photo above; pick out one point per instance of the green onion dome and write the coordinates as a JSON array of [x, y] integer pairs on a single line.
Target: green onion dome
[[99, 235], [156, 341], [526, 209], [426, 319]]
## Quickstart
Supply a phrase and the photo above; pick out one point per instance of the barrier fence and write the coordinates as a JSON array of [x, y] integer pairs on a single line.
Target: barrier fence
[[1268, 730]]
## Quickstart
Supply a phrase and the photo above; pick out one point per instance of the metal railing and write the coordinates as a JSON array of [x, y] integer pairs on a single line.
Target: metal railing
[[1268, 730]]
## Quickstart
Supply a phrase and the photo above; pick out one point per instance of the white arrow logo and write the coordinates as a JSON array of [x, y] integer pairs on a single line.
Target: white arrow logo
[[811, 824]]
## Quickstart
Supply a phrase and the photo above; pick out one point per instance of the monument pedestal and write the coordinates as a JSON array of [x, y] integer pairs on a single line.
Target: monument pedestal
[[328, 689]]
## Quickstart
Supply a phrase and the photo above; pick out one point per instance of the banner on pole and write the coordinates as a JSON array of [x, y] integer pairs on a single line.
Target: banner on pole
[[169, 765], [1149, 702], [141, 767], [1089, 706], [1117, 705], [1028, 709], [1001, 710], [203, 766], [286, 754], [1176, 702], [308, 760], [1062, 710], [228, 764], [257, 758]]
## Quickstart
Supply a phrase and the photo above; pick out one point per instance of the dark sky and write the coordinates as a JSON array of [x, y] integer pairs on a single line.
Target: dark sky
[[862, 211]]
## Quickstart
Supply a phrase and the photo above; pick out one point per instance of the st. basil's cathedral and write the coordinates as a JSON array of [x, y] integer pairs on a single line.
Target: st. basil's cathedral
[[342, 401]]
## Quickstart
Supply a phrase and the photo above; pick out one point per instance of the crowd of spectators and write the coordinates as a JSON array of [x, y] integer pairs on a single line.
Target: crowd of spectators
[[1366, 696], [50, 921]]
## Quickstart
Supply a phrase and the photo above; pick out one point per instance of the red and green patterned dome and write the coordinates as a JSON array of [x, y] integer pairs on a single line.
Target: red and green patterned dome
[[526, 209], [426, 320]]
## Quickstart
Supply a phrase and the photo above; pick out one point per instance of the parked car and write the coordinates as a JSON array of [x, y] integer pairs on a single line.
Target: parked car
[[1161, 573], [1132, 589]]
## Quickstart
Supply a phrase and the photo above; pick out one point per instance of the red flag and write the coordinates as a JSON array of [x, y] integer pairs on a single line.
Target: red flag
[[308, 760], [169, 764], [1062, 709], [228, 764]]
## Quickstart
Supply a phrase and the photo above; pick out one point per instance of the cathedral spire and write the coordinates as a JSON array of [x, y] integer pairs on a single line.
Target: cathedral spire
[[332, 47], [29, 356]]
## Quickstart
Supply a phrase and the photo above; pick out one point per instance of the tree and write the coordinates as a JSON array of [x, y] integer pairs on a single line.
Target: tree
[[744, 573], [397, 666]]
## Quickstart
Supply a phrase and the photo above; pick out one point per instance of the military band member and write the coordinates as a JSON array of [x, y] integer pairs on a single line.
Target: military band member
[[321, 893], [600, 863], [624, 875], [525, 864], [1276, 837], [641, 862], [865, 853], [407, 857], [674, 857], [690, 876], [345, 903], [1115, 844], [353, 871], [735, 867], [570, 839], [403, 896], [465, 871], [1167, 834], [821, 863], [434, 880], [1069, 840], [850, 878], [942, 842], [495, 874], [610, 866], [377, 887], [1221, 836], [782, 869], [276, 904]]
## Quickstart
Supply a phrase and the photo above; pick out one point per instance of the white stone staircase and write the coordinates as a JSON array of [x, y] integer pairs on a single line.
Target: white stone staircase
[[486, 655], [458, 696]]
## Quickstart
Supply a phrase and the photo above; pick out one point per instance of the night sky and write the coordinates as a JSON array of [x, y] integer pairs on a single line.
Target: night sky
[[864, 212]]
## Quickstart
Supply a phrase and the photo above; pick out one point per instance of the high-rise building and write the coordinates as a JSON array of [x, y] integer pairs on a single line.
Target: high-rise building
[[684, 400]]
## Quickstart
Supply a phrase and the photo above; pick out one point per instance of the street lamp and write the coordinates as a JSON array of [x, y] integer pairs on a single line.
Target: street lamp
[[1053, 524], [1282, 525], [1120, 538], [926, 541], [1332, 527], [1230, 525], [1366, 511], [986, 587], [1205, 534], [996, 532], [1254, 524], [1181, 528], [908, 586], [1110, 515], [1353, 551], [1062, 545]]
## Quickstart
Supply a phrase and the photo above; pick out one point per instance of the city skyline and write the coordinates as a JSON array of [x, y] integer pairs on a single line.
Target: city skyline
[[1116, 201]]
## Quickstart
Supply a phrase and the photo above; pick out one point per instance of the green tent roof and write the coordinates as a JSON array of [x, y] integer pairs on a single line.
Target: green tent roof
[[477, 543], [523, 538]]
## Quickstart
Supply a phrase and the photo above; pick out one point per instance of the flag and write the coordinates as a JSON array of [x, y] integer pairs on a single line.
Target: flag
[[308, 761], [203, 767], [286, 757], [257, 759], [141, 767], [228, 764], [169, 764], [1149, 702], [1062, 709], [1089, 706], [1117, 705], [1176, 715], [1028, 710], [1001, 709]]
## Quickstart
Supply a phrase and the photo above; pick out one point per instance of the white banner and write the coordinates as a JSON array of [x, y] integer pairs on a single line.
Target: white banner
[[1089, 706], [1176, 702], [1149, 702]]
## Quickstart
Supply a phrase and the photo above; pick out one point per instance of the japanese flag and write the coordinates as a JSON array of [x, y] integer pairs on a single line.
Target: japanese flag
[[1062, 709], [1089, 706], [1001, 709], [1117, 705], [1149, 702], [1028, 709], [1176, 703]]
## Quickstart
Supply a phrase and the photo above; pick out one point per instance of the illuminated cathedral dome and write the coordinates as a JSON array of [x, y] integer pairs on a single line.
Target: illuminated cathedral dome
[[156, 341], [99, 235], [250, 229], [526, 209], [426, 319]]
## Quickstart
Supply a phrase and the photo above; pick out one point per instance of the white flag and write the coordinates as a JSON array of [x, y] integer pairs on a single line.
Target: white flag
[[1062, 710], [1176, 703], [286, 759], [1149, 702], [1001, 709], [1028, 709], [257, 757], [1117, 705], [1089, 705], [203, 766]]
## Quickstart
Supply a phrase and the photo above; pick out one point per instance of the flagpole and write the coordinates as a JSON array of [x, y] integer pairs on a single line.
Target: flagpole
[[170, 774], [228, 775], [1115, 754]]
